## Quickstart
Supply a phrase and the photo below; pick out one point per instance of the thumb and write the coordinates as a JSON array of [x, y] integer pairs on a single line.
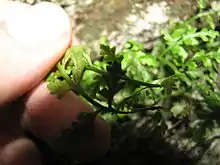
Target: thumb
[[32, 41]]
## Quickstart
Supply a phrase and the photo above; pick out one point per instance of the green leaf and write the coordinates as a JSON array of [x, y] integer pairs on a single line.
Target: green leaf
[[108, 52], [199, 55], [179, 50], [191, 29], [135, 46], [205, 34], [57, 84], [167, 84], [69, 71], [207, 62], [91, 83], [216, 56], [127, 60], [184, 78], [202, 4], [205, 58], [167, 37], [178, 33], [191, 41], [184, 61], [210, 21], [149, 60], [180, 109], [204, 38], [135, 64], [191, 65], [212, 98]]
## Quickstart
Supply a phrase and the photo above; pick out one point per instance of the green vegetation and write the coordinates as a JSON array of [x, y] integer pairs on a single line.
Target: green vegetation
[[175, 84]]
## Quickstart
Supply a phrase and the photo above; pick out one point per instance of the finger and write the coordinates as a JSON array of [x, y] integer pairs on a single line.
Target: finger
[[32, 42], [13, 148], [46, 117], [20, 152], [10, 9]]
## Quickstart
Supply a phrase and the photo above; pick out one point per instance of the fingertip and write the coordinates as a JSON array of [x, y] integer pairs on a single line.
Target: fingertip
[[10, 8], [20, 152], [96, 146], [34, 53], [47, 117]]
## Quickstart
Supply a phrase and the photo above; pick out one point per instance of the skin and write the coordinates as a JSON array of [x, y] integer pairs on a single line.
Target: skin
[[33, 39]]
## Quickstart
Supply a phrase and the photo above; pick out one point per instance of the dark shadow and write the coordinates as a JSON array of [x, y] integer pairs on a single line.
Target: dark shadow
[[136, 146]]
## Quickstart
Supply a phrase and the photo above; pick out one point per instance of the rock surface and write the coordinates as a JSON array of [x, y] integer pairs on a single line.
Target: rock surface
[[119, 21]]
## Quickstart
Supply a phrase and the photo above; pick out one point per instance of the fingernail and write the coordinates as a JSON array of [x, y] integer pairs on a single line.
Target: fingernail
[[38, 25]]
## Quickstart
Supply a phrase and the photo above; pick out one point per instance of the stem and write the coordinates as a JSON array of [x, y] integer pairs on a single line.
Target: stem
[[178, 123], [89, 99], [146, 108], [165, 61], [124, 77], [140, 82], [105, 109], [94, 69], [63, 73], [199, 16]]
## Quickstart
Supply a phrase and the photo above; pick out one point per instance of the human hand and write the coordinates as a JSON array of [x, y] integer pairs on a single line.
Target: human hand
[[32, 40]]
